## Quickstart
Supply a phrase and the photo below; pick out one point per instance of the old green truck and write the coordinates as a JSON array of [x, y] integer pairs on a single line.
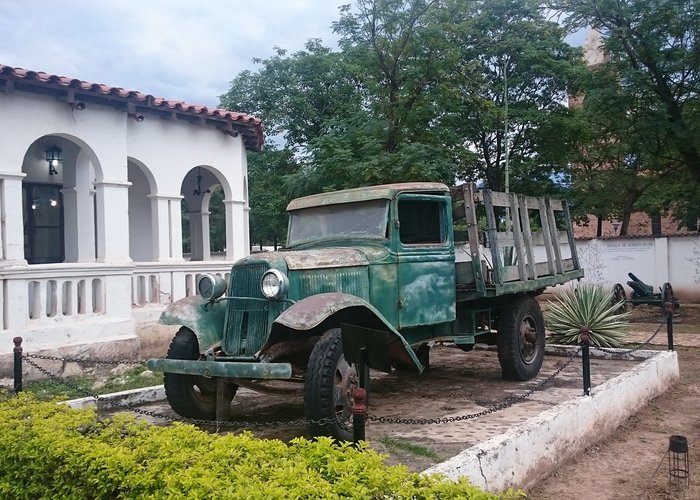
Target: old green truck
[[371, 272]]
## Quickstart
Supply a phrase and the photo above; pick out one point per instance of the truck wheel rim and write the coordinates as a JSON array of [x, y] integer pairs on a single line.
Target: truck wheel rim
[[528, 339], [203, 388], [345, 381]]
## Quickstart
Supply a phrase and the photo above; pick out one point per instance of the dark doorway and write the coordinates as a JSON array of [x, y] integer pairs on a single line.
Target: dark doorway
[[43, 223]]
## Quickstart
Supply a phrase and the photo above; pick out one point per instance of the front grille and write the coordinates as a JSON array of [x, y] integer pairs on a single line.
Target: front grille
[[352, 280], [247, 318]]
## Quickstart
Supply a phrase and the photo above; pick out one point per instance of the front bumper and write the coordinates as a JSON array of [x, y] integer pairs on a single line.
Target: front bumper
[[229, 369]]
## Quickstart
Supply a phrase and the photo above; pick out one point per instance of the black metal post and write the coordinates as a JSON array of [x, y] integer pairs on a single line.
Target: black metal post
[[669, 324], [359, 400], [18, 363], [586, 358], [362, 366]]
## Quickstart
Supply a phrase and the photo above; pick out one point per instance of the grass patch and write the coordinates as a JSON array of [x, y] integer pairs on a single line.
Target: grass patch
[[77, 387], [406, 445]]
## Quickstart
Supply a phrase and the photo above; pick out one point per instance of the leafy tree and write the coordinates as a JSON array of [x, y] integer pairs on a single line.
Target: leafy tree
[[391, 51], [510, 64], [416, 93], [648, 89], [295, 94], [268, 195]]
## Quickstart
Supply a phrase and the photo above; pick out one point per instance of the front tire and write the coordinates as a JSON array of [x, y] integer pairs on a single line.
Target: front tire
[[191, 396], [521, 339], [330, 380]]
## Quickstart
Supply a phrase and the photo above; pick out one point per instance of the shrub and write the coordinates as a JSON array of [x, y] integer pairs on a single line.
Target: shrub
[[48, 450], [587, 306]]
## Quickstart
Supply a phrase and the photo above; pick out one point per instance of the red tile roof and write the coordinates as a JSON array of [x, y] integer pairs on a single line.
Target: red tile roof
[[77, 90]]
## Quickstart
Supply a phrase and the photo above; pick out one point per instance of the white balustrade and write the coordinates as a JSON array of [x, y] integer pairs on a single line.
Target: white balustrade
[[43, 293]]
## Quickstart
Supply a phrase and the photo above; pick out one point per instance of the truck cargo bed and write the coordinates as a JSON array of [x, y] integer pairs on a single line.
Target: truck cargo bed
[[527, 243]]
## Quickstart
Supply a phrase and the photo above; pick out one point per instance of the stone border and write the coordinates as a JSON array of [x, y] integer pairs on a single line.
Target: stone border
[[526, 453], [114, 400]]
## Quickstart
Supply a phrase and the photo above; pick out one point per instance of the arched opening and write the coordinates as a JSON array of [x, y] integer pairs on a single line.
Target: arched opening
[[58, 201], [141, 224], [204, 214]]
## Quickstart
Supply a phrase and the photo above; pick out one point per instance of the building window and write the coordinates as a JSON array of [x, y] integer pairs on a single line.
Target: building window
[[43, 223]]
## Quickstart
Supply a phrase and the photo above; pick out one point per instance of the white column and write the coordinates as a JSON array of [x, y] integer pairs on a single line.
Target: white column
[[163, 237], [113, 221], [196, 236], [246, 233], [236, 230], [206, 244], [11, 217], [85, 204], [70, 223], [661, 260], [175, 223]]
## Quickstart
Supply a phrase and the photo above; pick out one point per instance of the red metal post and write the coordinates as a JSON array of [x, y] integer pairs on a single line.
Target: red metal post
[[359, 413]]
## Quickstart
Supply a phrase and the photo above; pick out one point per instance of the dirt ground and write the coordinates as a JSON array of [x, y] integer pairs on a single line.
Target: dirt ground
[[633, 463]]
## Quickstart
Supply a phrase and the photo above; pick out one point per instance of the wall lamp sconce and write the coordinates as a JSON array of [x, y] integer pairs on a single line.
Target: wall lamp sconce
[[131, 113], [54, 157], [198, 190]]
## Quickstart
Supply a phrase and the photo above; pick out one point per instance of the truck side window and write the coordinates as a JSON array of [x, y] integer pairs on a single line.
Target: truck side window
[[421, 221]]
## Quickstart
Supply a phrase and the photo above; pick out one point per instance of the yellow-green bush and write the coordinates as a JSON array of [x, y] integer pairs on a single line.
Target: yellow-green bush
[[48, 450]]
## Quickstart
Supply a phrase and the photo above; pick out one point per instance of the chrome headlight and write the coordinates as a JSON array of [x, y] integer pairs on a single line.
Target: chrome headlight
[[274, 284], [211, 287]]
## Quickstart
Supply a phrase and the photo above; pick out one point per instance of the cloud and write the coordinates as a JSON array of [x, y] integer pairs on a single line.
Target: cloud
[[179, 49]]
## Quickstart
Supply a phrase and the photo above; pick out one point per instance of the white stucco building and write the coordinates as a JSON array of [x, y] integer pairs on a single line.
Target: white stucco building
[[90, 241]]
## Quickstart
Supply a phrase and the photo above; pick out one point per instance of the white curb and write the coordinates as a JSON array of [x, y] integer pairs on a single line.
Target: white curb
[[529, 451], [131, 397]]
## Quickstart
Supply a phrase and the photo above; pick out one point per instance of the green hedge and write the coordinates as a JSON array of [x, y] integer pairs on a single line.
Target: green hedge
[[48, 450]]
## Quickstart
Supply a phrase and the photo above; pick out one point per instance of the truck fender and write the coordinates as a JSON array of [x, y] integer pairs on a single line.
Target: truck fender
[[318, 313], [204, 318]]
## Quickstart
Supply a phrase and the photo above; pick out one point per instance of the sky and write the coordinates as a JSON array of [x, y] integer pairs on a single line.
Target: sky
[[178, 49]]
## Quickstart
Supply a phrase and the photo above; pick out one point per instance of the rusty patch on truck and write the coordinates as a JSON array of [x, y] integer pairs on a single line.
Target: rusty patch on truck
[[324, 258]]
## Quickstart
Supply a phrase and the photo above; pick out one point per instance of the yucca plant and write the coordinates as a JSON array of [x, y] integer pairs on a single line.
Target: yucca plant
[[586, 307]]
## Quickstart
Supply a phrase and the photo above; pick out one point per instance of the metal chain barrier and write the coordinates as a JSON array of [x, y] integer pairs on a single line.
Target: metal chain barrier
[[507, 403], [623, 352], [81, 361], [169, 418]]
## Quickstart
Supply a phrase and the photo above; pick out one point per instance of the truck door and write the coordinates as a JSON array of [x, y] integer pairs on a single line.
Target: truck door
[[425, 251]]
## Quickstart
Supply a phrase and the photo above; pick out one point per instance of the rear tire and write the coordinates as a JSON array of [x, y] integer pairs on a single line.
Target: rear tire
[[521, 339], [191, 396], [330, 380]]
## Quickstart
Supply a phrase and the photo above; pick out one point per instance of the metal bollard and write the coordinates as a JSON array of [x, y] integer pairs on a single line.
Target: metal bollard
[[669, 324], [18, 363], [586, 358], [359, 413]]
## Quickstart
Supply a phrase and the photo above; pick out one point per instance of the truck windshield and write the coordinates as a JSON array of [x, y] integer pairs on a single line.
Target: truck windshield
[[362, 219]]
